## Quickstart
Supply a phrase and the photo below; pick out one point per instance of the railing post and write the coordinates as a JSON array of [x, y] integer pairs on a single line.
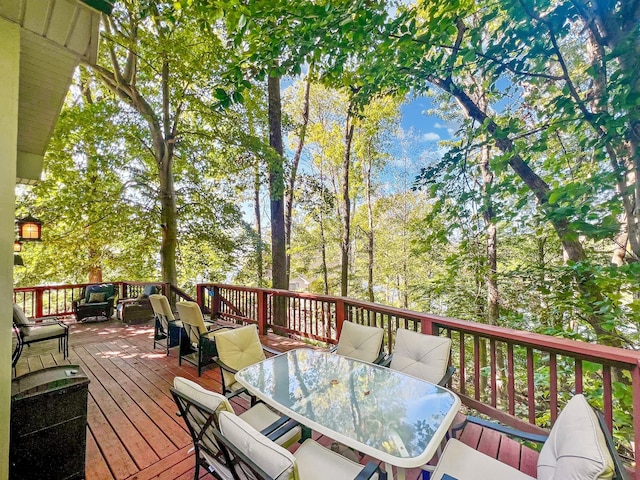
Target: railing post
[[427, 326], [200, 297], [341, 315], [39, 310], [635, 385], [262, 312], [215, 301]]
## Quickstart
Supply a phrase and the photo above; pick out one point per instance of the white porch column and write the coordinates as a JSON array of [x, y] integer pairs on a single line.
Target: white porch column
[[9, 76]]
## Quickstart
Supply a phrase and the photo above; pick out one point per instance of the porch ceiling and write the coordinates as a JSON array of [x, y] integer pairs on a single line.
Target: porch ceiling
[[56, 35]]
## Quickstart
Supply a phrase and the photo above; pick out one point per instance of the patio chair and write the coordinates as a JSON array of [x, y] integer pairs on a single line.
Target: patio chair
[[422, 356], [37, 330], [200, 348], [579, 446], [259, 416], [167, 328], [253, 455], [96, 301], [137, 310], [200, 412], [237, 349], [360, 342]]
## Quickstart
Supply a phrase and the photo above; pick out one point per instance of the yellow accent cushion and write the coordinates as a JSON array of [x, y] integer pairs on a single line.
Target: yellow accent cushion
[[239, 348], [97, 297]]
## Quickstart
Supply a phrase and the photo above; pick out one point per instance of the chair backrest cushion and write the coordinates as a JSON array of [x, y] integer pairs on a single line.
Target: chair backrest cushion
[[212, 400], [360, 342], [160, 305], [192, 320], [423, 356], [239, 348], [273, 459], [19, 317], [576, 448], [106, 288]]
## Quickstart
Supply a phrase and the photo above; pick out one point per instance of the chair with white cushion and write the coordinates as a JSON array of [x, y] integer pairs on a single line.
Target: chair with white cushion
[[200, 348], [41, 329], [259, 416], [422, 356], [238, 348], [360, 342], [579, 447], [254, 456], [167, 328]]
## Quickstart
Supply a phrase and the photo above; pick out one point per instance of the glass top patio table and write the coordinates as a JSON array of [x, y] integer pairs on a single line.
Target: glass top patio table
[[383, 413]]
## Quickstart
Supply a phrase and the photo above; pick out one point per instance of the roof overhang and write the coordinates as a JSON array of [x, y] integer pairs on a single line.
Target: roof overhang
[[56, 35]]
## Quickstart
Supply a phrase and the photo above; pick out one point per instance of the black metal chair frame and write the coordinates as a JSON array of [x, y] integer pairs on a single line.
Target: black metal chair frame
[[205, 352], [22, 340], [188, 409]]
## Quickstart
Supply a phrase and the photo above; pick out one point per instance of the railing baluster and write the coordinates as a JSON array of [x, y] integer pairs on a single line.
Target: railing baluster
[[463, 380], [608, 398], [553, 386], [476, 367], [511, 378], [530, 387], [578, 375], [494, 383]]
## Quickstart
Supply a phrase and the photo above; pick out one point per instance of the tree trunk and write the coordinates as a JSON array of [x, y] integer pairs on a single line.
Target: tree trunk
[[276, 189], [367, 166], [294, 171], [346, 208], [258, 225]]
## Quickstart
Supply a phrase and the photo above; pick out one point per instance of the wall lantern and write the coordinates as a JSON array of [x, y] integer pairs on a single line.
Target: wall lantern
[[29, 229], [17, 246]]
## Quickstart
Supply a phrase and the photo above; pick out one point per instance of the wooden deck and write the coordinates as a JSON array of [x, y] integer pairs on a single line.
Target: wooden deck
[[133, 431]]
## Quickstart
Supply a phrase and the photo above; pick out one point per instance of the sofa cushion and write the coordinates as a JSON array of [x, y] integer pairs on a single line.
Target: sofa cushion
[[97, 297], [576, 448]]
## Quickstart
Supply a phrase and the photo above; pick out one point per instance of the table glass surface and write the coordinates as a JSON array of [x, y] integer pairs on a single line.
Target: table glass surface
[[379, 407]]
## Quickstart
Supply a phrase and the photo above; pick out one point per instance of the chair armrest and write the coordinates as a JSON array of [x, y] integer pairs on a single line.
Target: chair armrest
[[333, 349], [224, 366], [46, 323], [386, 362], [270, 350], [370, 469], [447, 376], [498, 427], [380, 358], [278, 428]]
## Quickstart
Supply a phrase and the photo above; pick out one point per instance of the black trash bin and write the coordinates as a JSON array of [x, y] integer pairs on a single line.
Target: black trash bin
[[49, 424]]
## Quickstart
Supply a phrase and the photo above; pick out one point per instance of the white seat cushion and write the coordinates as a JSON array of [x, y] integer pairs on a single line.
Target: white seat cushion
[[422, 356], [576, 448], [464, 463], [260, 417], [212, 400], [360, 342], [275, 460], [316, 462], [33, 333]]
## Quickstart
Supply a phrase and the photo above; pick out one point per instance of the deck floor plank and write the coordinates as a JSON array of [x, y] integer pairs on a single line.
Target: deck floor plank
[[134, 442], [97, 467], [159, 423]]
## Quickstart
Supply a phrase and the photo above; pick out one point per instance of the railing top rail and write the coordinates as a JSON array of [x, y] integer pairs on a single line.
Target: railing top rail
[[563, 346]]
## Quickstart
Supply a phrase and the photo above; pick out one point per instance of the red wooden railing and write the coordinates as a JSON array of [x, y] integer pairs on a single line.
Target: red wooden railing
[[57, 300], [486, 357]]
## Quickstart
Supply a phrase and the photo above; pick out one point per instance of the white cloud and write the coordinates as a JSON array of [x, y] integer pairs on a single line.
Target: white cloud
[[430, 137], [439, 125]]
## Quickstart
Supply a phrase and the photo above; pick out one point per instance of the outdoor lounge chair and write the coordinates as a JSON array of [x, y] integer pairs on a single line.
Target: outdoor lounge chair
[[38, 330], [200, 348], [239, 348], [360, 342], [167, 328], [422, 356], [579, 446], [200, 408], [253, 455], [96, 301]]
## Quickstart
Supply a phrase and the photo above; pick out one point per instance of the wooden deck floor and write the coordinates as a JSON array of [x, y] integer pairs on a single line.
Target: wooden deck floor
[[133, 431]]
